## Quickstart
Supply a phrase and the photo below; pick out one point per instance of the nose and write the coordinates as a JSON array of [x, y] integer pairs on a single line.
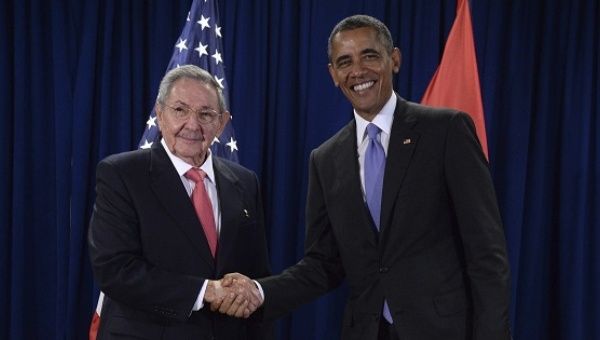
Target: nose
[[357, 69], [193, 122]]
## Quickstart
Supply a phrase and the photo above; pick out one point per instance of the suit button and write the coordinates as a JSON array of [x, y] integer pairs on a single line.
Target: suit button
[[383, 270]]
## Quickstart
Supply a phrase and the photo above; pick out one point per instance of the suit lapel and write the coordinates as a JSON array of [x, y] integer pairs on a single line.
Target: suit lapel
[[169, 190], [403, 141], [347, 181], [231, 205]]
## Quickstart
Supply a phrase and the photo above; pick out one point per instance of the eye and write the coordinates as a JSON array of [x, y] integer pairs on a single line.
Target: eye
[[181, 112], [207, 116], [343, 63]]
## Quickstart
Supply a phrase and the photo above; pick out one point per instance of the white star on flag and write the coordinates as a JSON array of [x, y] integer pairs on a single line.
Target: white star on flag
[[203, 22], [146, 145], [218, 31], [202, 49], [220, 81], [232, 144], [217, 57], [181, 45], [151, 122]]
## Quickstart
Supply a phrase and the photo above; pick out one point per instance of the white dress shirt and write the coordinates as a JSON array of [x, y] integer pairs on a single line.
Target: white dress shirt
[[383, 120]]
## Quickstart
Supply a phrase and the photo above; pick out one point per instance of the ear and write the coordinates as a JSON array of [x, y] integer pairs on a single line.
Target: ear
[[333, 75], [225, 117], [396, 59]]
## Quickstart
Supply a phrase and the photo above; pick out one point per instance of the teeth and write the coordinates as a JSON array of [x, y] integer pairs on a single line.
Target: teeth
[[363, 86]]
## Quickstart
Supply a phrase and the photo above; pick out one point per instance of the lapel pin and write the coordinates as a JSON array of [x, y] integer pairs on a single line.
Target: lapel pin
[[246, 213], [406, 141]]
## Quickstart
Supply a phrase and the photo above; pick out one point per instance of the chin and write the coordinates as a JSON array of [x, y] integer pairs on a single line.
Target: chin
[[364, 108]]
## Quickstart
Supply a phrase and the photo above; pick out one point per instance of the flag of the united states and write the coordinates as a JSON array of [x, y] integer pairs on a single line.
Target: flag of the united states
[[200, 44]]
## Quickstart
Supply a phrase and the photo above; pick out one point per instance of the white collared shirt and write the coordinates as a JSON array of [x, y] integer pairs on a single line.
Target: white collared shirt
[[383, 120], [211, 187]]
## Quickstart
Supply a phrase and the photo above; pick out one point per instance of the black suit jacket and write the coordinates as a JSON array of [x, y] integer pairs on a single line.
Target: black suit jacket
[[150, 256], [440, 258]]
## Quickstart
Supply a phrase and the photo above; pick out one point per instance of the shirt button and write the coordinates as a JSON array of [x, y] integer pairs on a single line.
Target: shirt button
[[383, 270]]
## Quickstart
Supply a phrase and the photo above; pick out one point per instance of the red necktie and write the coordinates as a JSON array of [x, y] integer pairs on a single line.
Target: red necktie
[[203, 207]]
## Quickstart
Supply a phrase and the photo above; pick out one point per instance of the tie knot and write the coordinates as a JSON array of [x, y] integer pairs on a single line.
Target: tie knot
[[196, 175], [372, 131]]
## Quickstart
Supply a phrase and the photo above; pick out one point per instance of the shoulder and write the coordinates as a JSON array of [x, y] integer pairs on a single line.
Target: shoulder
[[127, 157], [128, 164], [344, 138], [431, 114], [225, 165], [428, 119]]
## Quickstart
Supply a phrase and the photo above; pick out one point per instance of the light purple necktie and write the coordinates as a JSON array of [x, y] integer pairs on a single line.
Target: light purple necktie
[[374, 169]]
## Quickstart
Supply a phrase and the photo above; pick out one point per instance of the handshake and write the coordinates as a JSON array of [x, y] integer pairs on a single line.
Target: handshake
[[235, 295]]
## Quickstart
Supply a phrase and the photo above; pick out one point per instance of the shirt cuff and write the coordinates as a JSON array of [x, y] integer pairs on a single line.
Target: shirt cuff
[[200, 299], [260, 290]]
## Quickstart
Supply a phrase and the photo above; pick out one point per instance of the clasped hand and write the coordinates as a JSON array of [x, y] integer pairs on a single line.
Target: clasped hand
[[235, 295]]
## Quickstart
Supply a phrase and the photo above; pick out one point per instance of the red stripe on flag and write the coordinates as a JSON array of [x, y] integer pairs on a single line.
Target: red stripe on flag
[[455, 83], [94, 326]]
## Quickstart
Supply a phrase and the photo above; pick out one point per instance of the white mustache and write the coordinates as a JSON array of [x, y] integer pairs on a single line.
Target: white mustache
[[187, 134]]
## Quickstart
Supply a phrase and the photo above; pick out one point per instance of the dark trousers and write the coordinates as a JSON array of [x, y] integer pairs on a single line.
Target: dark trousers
[[387, 331]]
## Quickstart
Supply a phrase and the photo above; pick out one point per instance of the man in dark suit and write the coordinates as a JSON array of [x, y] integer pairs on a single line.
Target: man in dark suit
[[401, 204], [171, 219]]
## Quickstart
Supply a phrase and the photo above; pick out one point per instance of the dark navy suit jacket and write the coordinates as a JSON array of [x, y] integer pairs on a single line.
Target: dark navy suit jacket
[[440, 259], [150, 256]]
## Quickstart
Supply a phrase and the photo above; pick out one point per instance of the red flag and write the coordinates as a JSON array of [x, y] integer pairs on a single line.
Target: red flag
[[95, 325], [455, 83]]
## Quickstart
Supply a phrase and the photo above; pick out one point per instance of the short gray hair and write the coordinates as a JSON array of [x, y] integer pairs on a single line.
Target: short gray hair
[[192, 72], [360, 21]]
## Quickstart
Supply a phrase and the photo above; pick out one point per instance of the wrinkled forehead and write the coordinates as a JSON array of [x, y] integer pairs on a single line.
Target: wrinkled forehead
[[192, 92]]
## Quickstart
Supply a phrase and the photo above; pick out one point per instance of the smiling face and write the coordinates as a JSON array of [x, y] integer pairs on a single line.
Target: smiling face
[[187, 138], [362, 68]]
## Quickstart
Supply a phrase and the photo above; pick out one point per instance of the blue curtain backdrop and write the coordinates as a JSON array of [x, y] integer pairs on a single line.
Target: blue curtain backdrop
[[78, 79]]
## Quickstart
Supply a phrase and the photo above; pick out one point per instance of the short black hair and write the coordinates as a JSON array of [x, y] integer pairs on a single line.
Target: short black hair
[[360, 21]]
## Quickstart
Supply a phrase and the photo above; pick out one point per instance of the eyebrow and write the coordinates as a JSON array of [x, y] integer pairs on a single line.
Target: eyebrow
[[342, 58], [369, 50], [180, 102]]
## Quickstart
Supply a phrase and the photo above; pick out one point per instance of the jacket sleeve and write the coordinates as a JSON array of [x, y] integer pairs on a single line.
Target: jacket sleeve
[[480, 228]]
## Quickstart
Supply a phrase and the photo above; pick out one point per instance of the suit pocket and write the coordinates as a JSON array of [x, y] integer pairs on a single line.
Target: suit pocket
[[123, 328], [450, 303]]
